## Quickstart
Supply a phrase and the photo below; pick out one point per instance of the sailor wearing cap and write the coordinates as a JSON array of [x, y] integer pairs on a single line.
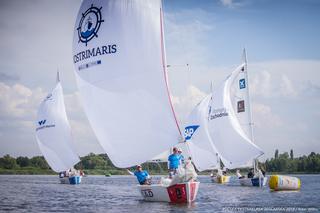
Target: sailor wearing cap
[[181, 156], [142, 176]]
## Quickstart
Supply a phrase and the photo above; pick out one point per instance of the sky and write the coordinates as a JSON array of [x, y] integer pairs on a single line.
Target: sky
[[282, 39]]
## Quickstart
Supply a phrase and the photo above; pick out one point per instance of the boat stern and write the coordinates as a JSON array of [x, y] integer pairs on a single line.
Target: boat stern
[[75, 180], [178, 193]]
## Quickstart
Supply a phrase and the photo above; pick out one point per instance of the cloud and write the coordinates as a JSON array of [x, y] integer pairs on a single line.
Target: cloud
[[30, 47], [232, 3], [284, 79], [183, 105], [186, 39], [228, 3], [8, 78], [286, 87], [18, 101], [269, 86], [264, 117], [18, 108]]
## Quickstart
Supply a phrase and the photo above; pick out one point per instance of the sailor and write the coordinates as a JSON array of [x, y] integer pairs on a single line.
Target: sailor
[[224, 171], [259, 174], [142, 176], [181, 156], [251, 174], [173, 162], [190, 172], [239, 174], [61, 174]]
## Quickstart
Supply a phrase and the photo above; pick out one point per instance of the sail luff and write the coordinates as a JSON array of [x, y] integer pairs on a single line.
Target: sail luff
[[248, 94], [164, 65]]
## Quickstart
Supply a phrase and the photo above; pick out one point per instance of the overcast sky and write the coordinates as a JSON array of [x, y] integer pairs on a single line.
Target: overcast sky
[[282, 39]]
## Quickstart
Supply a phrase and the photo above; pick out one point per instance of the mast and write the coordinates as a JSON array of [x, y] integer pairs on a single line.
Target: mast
[[244, 59], [58, 76]]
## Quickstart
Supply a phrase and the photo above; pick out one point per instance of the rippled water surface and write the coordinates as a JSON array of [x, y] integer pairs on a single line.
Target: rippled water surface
[[119, 194]]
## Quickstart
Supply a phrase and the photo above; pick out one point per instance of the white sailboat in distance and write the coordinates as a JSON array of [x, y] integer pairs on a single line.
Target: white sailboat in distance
[[53, 134], [230, 123]]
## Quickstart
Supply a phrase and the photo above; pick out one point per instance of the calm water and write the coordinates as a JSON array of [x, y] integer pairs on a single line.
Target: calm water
[[119, 194]]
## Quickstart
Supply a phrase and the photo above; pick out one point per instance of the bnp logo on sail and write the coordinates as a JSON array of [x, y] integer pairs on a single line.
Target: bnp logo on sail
[[189, 131]]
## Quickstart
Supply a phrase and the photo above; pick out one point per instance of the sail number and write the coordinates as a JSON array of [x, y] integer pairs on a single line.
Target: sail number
[[147, 193], [178, 193]]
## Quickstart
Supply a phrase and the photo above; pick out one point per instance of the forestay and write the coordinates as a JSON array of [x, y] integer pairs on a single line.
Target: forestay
[[233, 144], [119, 59], [53, 132]]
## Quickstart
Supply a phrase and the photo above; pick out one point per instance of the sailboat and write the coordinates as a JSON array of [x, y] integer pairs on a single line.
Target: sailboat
[[230, 124], [54, 137], [197, 142], [120, 68]]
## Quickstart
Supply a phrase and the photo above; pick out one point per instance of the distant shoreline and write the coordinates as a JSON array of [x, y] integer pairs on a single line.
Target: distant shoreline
[[120, 172]]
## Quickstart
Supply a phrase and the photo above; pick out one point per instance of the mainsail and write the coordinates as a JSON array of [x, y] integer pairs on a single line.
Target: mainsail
[[234, 145], [120, 67], [53, 132]]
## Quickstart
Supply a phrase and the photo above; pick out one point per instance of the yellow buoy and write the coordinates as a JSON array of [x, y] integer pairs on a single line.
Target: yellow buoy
[[281, 182]]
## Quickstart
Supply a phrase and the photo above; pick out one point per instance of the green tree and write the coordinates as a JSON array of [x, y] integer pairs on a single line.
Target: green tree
[[23, 161], [291, 154], [93, 161], [39, 162], [8, 162], [276, 154]]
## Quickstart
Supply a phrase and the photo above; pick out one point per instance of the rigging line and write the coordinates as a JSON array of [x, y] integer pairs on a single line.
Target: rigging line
[[165, 71]]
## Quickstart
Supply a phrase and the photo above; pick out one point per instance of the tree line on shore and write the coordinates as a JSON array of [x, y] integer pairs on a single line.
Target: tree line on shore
[[101, 164], [287, 163]]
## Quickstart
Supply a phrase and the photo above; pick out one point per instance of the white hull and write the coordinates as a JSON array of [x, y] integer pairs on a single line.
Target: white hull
[[253, 181], [178, 193]]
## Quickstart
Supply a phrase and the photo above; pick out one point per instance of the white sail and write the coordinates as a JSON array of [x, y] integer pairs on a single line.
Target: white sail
[[239, 95], [197, 144], [53, 132], [233, 144], [201, 147], [119, 59]]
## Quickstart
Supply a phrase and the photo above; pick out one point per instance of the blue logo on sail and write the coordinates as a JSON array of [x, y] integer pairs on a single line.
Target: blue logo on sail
[[42, 122], [43, 125], [189, 131], [242, 83], [89, 24]]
